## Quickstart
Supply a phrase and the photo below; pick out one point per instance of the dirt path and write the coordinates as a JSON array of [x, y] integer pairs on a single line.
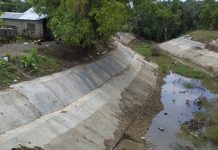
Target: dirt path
[[17, 48]]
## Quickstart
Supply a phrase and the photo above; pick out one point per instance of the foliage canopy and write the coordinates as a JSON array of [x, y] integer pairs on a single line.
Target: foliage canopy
[[162, 20], [82, 22]]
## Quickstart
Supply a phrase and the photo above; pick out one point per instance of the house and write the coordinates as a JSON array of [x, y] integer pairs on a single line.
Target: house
[[29, 24]]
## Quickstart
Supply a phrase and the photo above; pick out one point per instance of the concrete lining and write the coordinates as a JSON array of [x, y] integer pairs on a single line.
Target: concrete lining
[[125, 38], [75, 109], [192, 51]]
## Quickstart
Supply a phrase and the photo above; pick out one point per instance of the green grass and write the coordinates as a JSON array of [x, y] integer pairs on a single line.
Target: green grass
[[206, 103], [212, 129], [144, 49], [212, 134], [38, 64], [189, 85], [204, 36], [199, 116], [7, 74], [47, 65], [211, 84], [15, 70], [167, 64]]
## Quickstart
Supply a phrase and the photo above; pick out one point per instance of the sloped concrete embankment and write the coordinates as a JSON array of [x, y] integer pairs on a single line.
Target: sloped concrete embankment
[[192, 51], [75, 109]]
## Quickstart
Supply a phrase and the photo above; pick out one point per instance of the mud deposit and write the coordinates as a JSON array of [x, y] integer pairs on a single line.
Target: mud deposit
[[180, 97], [137, 103]]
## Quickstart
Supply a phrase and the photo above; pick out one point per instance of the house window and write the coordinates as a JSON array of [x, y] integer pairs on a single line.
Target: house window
[[31, 27]]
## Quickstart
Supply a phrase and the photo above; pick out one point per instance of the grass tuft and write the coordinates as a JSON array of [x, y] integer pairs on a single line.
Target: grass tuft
[[188, 85], [204, 36], [7, 74], [26, 66], [144, 49]]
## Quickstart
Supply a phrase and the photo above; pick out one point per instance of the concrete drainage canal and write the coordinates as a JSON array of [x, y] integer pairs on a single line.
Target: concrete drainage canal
[[186, 119], [96, 102], [79, 108]]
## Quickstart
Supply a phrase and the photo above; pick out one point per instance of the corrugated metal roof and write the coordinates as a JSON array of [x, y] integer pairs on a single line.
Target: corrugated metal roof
[[28, 15]]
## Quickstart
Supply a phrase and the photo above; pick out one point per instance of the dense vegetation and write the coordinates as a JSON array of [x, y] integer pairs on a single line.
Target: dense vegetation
[[89, 20], [25, 67], [14, 5], [83, 22], [167, 19]]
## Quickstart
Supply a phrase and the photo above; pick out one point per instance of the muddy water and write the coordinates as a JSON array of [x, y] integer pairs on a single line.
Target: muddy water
[[179, 102]]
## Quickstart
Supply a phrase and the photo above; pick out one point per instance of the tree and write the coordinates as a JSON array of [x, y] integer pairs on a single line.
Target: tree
[[1, 21], [155, 20], [22, 5], [15, 5], [208, 15], [82, 22], [214, 19], [190, 14]]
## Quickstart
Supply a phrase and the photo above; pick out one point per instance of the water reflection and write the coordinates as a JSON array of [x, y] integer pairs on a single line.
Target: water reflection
[[179, 103]]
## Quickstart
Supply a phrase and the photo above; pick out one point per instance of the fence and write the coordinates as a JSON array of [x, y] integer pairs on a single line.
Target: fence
[[7, 33]]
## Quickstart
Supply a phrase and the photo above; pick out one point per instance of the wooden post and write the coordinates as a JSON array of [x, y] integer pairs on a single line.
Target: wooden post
[[165, 34]]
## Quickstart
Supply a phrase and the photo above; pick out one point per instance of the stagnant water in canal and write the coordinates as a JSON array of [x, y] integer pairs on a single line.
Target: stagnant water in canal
[[165, 132]]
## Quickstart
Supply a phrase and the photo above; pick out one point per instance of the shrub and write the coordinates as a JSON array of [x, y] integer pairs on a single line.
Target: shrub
[[7, 73], [20, 39], [31, 61]]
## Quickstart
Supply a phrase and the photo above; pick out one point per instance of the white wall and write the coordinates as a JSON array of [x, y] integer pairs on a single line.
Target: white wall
[[22, 25]]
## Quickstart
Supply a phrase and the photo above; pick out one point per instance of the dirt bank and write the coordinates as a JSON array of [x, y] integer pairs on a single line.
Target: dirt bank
[[49, 57], [135, 122]]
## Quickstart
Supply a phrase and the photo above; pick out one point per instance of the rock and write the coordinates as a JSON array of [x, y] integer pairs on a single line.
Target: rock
[[143, 138], [39, 42], [25, 43], [188, 37], [63, 112], [214, 42], [15, 81], [187, 103], [6, 58], [161, 129], [189, 147], [104, 52], [198, 48]]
